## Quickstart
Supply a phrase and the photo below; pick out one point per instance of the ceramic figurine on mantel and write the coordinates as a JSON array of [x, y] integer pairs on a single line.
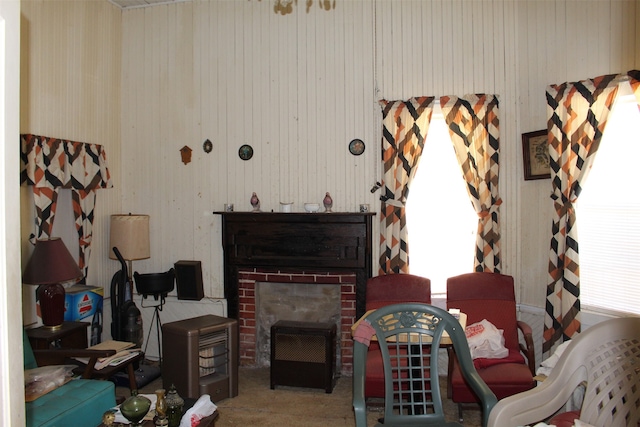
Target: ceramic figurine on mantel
[[255, 202], [327, 202]]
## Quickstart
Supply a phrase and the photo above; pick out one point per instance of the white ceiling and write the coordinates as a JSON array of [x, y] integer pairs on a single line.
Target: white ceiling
[[131, 4]]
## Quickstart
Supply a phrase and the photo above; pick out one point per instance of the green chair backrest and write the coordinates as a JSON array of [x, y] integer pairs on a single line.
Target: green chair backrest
[[409, 336], [29, 358]]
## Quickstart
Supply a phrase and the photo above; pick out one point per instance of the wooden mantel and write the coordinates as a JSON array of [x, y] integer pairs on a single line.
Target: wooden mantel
[[312, 242]]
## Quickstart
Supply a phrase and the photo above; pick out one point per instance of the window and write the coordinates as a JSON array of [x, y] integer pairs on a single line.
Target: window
[[608, 215], [441, 221]]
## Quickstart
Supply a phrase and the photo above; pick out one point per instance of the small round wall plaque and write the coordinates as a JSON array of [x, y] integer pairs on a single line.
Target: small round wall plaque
[[207, 146], [356, 147], [245, 152]]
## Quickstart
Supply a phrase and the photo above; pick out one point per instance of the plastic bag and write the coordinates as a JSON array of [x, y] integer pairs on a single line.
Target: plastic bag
[[547, 365], [485, 341], [42, 380], [201, 409]]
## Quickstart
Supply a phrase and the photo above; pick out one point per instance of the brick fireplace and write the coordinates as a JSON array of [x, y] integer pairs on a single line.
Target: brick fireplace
[[247, 280], [313, 248]]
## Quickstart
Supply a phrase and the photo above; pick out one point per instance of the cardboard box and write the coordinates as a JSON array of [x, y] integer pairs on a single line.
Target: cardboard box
[[82, 302]]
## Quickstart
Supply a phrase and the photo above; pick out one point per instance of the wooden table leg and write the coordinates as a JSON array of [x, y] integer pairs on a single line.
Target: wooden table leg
[[133, 385]]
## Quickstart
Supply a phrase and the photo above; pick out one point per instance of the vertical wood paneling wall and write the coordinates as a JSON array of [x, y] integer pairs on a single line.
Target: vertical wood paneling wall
[[298, 88], [70, 86], [560, 41]]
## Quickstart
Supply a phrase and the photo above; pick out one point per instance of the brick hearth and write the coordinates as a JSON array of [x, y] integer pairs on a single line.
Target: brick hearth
[[247, 306]]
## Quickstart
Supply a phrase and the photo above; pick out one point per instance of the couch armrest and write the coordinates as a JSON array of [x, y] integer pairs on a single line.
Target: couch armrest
[[528, 348]]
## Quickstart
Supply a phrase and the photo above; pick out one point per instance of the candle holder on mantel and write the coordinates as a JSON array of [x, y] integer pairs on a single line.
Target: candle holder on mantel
[[255, 202]]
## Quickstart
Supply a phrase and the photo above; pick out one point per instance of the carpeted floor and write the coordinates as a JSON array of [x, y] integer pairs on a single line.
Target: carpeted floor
[[258, 405]]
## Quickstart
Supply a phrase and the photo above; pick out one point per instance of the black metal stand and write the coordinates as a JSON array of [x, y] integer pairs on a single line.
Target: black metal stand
[[155, 320]]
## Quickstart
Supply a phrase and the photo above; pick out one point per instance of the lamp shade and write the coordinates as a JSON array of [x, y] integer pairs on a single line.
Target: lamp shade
[[130, 234], [50, 263]]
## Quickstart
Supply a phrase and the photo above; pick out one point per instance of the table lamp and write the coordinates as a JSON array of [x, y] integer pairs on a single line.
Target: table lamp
[[50, 265], [130, 234]]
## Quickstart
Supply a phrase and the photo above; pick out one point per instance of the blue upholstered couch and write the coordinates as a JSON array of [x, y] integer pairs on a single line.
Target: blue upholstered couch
[[79, 403]]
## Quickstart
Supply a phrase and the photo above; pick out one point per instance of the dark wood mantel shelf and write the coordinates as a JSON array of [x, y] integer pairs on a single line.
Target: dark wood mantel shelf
[[296, 242]]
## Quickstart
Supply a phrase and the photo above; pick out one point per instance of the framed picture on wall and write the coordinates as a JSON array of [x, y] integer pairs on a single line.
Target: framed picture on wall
[[535, 150]]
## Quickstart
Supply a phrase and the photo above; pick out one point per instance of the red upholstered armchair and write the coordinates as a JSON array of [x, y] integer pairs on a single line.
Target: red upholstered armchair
[[382, 291], [491, 296]]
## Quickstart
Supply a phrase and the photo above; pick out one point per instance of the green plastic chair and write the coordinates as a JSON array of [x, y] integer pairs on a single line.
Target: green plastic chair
[[410, 336]]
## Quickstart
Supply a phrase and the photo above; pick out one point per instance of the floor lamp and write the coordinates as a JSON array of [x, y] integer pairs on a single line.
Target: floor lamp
[[130, 234]]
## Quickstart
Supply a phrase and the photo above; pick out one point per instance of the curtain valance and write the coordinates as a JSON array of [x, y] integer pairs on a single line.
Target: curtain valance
[[58, 163]]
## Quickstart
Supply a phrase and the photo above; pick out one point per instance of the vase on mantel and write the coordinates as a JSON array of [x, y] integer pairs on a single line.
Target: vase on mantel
[[327, 202], [255, 202]]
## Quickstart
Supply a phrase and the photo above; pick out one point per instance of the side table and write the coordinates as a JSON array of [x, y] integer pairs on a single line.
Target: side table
[[69, 335]]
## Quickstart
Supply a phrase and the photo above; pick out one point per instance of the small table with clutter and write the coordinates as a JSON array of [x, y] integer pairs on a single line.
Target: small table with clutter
[[202, 409], [209, 421]]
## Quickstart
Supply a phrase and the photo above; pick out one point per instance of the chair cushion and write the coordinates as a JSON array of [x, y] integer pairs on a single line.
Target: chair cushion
[[374, 380], [513, 357], [29, 358], [79, 403], [505, 379], [382, 291], [396, 289], [566, 419], [486, 296]]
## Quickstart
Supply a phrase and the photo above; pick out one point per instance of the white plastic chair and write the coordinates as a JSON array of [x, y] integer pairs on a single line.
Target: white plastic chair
[[607, 358]]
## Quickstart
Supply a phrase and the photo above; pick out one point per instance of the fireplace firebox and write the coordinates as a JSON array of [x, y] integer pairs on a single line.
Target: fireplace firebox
[[328, 248]]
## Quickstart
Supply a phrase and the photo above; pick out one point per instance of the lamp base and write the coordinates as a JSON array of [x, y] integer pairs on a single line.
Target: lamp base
[[51, 299]]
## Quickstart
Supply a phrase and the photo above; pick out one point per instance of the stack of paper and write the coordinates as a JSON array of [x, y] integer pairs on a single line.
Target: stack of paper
[[112, 345], [124, 352]]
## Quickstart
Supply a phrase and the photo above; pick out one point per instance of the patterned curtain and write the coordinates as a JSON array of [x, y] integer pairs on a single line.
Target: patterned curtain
[[46, 199], [474, 129], [577, 114], [49, 164], [84, 202], [404, 129]]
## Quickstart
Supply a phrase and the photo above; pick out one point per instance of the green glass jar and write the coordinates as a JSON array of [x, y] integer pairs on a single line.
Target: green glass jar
[[135, 408], [174, 407]]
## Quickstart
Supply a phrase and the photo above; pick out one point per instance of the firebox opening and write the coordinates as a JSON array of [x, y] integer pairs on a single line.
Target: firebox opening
[[297, 302]]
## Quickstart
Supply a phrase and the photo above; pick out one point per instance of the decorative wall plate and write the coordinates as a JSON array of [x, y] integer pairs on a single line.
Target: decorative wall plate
[[207, 146], [356, 147], [245, 152]]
